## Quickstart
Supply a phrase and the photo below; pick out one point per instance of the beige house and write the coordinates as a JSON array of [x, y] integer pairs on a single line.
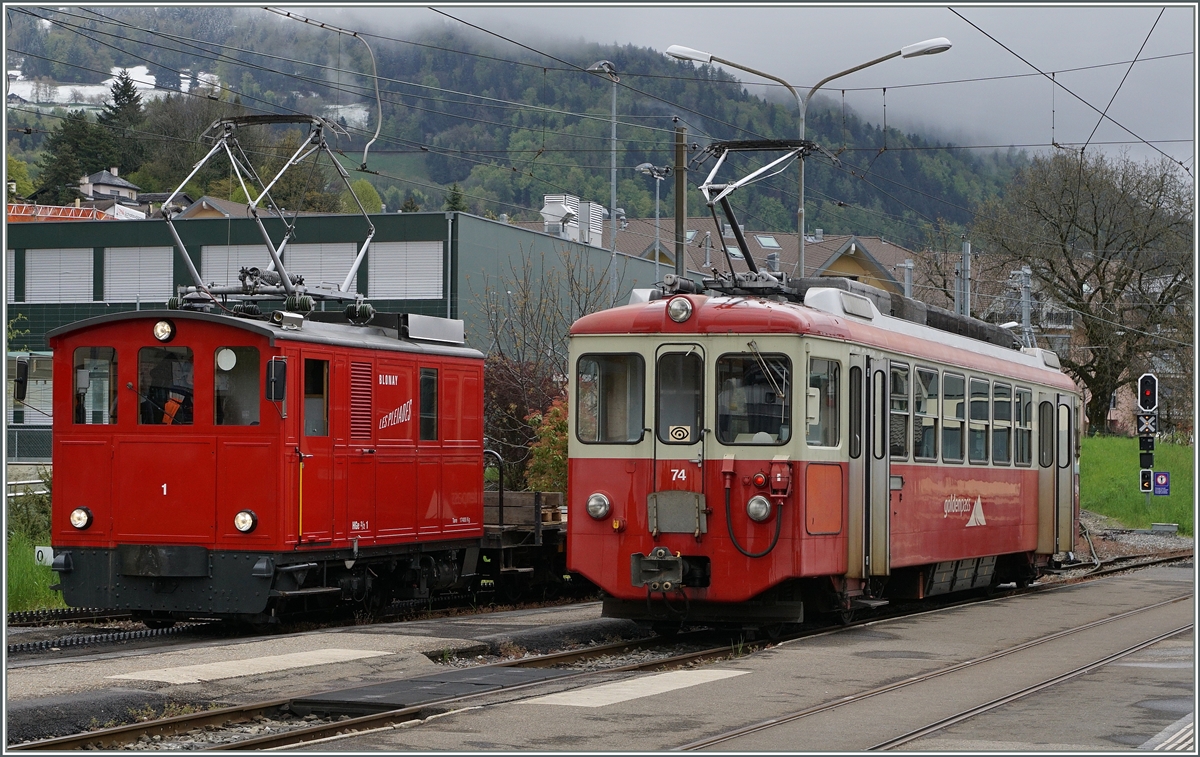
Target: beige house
[[107, 185]]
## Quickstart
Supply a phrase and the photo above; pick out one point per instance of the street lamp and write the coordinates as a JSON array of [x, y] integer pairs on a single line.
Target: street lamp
[[659, 173], [928, 47], [608, 69]]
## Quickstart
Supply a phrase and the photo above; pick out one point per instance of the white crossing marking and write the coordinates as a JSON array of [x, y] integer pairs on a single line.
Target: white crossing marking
[[234, 668], [1180, 736], [634, 688]]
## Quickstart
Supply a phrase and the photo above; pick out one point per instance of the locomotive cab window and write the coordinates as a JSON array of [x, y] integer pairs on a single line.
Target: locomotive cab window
[[235, 386], [316, 397], [680, 405], [925, 411], [977, 429], [166, 385], [754, 399], [953, 417], [610, 399], [823, 403], [95, 398]]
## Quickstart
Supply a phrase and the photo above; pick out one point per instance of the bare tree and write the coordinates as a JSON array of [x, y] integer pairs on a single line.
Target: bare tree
[[1111, 240], [528, 313]]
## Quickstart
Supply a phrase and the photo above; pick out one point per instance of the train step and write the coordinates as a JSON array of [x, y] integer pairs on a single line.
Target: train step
[[866, 603], [313, 592], [516, 570]]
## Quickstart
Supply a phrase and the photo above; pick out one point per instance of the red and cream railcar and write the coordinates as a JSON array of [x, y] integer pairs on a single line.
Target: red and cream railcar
[[734, 457], [210, 465]]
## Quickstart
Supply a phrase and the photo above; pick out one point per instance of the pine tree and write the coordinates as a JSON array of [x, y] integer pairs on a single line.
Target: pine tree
[[455, 199], [410, 205], [121, 116], [76, 148]]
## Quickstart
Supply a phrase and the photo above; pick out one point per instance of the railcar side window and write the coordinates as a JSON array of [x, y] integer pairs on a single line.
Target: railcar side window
[[925, 409], [95, 385], [166, 385], [316, 397], [754, 399], [235, 386], [953, 416], [610, 398], [1023, 437], [977, 429], [1001, 424], [898, 431], [680, 383], [856, 399], [824, 398], [429, 404]]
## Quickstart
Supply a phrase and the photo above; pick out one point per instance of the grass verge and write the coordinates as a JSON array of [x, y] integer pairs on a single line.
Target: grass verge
[[1108, 483], [28, 583]]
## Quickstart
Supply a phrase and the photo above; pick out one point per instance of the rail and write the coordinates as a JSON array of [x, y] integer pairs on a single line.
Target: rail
[[27, 484]]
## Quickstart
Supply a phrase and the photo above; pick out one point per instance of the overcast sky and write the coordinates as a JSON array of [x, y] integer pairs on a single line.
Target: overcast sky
[[957, 95]]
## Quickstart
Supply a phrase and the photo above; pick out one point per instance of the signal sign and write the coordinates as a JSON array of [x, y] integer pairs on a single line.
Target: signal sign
[[1147, 423], [1148, 392], [1146, 459], [1147, 481], [1162, 483], [1146, 444]]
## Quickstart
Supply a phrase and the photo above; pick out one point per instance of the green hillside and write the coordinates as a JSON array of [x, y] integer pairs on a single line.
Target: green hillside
[[1108, 482], [508, 124]]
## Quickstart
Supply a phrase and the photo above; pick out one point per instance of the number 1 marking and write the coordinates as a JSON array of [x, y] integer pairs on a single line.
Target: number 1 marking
[[164, 490]]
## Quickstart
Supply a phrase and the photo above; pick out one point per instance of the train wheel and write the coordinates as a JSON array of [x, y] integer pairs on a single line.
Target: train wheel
[[156, 624], [666, 628], [845, 617], [772, 631]]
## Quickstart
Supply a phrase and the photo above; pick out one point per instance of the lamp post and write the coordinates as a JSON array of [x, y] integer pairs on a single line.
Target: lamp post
[[608, 69], [659, 173], [928, 47]]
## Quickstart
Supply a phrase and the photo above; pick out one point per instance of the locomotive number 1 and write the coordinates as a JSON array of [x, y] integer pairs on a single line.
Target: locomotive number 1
[[164, 490], [679, 474]]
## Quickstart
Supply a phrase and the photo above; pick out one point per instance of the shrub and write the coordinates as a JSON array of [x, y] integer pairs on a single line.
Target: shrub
[[547, 470]]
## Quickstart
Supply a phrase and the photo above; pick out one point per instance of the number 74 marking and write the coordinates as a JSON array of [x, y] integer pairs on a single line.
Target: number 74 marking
[[679, 474]]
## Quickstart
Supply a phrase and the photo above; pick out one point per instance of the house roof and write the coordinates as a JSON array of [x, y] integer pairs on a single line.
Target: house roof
[[106, 179], [875, 254]]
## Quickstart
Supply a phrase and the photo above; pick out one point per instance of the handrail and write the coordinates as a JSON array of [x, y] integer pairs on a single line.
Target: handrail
[[500, 497]]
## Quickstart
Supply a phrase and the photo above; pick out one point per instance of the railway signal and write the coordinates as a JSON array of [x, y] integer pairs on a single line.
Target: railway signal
[[1147, 483], [1148, 392]]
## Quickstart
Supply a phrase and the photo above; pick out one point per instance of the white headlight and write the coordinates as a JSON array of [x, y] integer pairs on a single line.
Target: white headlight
[[164, 331], [598, 506], [680, 309], [81, 517], [245, 521], [758, 508]]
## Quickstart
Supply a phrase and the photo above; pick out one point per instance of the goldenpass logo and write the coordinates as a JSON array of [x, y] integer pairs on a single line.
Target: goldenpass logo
[[961, 506]]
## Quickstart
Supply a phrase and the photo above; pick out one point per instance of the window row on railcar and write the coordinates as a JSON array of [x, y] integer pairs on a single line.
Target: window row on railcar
[[934, 415], [166, 388], [981, 420]]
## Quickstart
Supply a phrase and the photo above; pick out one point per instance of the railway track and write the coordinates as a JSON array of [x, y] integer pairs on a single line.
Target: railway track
[[849, 700], [242, 727], [33, 618]]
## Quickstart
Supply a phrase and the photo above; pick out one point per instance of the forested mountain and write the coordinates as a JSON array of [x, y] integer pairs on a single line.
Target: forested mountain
[[506, 124]]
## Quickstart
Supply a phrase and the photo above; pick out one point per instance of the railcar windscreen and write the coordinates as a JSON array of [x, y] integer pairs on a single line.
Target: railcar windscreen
[[610, 399], [754, 399], [95, 385], [235, 386], [166, 385]]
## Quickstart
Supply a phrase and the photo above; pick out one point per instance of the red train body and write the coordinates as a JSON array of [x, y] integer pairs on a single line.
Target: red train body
[[210, 465], [734, 458]]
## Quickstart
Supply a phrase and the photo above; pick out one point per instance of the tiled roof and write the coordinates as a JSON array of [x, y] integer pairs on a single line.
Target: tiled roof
[[637, 240], [105, 178]]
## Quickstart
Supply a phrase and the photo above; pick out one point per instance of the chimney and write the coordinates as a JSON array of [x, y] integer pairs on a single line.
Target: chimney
[[819, 235], [773, 262], [113, 170]]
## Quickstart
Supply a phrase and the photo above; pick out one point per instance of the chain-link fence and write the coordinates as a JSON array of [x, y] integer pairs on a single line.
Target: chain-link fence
[[29, 444]]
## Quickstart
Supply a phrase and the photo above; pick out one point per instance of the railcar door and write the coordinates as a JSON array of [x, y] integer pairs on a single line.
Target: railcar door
[[1056, 473], [314, 505], [860, 458], [878, 511], [676, 504]]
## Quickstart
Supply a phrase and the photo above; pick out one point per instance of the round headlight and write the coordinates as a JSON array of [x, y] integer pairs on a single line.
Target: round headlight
[[81, 517], [680, 309], [758, 508], [164, 331], [598, 506], [245, 521]]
